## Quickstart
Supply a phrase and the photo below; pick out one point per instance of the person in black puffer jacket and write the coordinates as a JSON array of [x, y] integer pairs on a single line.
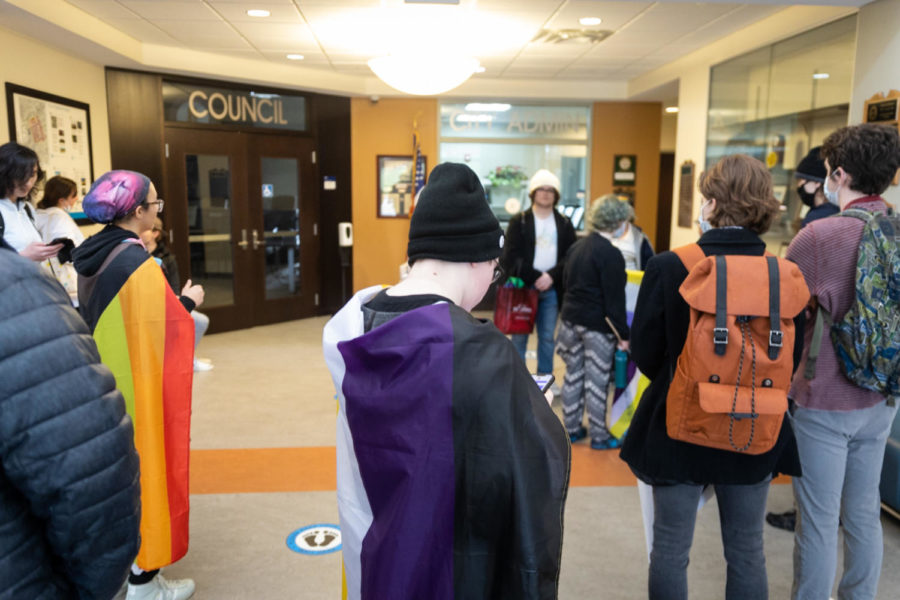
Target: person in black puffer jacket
[[69, 473]]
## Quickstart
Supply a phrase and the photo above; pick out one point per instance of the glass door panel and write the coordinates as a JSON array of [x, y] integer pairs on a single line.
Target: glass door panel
[[281, 226], [209, 206]]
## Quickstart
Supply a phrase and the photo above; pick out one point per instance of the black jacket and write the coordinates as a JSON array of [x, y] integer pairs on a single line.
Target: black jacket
[[594, 279], [658, 333], [518, 249], [69, 486]]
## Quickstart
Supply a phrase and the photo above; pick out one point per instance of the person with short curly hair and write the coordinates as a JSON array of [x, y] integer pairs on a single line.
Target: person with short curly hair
[[841, 429], [738, 205], [614, 220]]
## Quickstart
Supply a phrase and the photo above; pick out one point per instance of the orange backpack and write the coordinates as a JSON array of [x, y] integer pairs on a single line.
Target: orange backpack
[[731, 381]]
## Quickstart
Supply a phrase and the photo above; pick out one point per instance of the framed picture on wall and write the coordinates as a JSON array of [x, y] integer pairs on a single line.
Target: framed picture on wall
[[59, 130], [396, 187]]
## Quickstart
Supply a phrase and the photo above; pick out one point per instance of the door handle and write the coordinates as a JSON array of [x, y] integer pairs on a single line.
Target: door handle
[[256, 242], [243, 243]]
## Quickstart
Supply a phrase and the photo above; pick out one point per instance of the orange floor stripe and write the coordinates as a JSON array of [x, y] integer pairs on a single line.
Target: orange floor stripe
[[311, 469]]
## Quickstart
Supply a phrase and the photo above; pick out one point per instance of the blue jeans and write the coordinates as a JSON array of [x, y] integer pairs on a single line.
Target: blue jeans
[[841, 453], [548, 307], [741, 513]]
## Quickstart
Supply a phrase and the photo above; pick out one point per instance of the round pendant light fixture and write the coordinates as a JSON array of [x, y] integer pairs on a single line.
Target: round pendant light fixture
[[423, 74]]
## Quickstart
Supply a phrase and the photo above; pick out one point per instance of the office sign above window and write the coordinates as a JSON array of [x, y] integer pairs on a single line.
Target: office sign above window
[[188, 103], [509, 122]]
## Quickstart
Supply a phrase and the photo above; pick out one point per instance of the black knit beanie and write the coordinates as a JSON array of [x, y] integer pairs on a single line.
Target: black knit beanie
[[452, 220], [812, 166]]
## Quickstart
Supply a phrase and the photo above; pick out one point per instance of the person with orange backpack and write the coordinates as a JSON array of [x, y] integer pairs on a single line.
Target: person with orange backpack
[[848, 382], [715, 331]]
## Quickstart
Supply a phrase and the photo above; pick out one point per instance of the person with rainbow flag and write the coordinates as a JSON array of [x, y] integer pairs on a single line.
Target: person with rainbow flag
[[145, 336]]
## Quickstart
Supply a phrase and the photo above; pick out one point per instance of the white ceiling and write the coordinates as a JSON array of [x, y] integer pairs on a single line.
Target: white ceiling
[[337, 37], [341, 35]]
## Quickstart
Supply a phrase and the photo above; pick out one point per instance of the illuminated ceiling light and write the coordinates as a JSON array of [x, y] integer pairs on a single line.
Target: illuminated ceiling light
[[821, 75], [423, 74], [671, 109], [480, 69], [590, 21], [258, 12], [295, 56], [487, 107]]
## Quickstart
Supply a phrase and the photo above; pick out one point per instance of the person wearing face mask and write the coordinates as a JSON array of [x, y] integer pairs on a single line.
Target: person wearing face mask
[[738, 206], [810, 175], [53, 222], [537, 242], [625, 235], [20, 170], [841, 429]]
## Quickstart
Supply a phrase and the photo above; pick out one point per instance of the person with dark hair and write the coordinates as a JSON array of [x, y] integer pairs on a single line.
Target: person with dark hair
[[69, 491], [452, 468], [738, 206], [20, 169], [841, 428], [810, 176], [145, 335], [536, 244], [53, 222], [592, 325]]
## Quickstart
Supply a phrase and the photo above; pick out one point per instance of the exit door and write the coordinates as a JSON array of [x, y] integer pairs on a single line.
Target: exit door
[[244, 223]]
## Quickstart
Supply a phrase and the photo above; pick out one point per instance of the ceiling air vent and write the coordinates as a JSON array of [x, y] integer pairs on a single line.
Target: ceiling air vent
[[578, 36]]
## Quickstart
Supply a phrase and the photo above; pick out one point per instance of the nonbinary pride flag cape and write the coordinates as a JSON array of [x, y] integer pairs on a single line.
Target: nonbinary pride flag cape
[[146, 338], [626, 400], [452, 470]]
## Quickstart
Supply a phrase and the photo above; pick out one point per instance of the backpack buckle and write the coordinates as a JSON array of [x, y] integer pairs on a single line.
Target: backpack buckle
[[775, 338], [720, 335]]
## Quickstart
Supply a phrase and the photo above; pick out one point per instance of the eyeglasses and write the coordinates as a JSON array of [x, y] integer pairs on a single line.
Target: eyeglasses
[[498, 272], [160, 203]]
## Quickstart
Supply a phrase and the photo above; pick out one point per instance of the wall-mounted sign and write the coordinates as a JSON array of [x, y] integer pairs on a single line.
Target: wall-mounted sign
[[686, 195], [189, 103], [506, 121], [624, 169]]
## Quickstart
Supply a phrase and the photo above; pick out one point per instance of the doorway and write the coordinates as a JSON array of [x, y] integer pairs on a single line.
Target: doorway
[[243, 222]]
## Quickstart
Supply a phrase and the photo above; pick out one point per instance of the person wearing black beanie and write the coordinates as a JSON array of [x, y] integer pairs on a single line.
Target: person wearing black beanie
[[810, 175], [476, 462], [452, 220]]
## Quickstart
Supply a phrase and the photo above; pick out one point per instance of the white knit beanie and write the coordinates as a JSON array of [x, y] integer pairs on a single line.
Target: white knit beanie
[[541, 179]]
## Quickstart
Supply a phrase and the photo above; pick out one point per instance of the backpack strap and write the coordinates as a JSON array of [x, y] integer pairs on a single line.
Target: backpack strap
[[862, 215], [689, 255], [775, 334], [720, 332], [815, 345]]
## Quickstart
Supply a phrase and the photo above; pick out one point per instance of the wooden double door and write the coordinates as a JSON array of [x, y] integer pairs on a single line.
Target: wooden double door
[[242, 214]]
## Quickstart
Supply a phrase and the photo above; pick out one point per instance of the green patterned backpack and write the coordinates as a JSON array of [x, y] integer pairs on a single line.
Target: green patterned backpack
[[867, 340]]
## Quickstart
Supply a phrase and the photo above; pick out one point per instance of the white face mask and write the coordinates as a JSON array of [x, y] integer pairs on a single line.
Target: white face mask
[[831, 196], [701, 220]]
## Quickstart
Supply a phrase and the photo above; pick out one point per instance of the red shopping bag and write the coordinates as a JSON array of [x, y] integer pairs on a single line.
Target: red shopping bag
[[516, 309]]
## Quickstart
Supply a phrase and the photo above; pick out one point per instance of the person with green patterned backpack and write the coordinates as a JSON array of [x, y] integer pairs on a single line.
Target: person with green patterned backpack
[[844, 393]]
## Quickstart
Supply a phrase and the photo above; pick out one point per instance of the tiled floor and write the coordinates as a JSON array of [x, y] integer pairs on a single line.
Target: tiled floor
[[263, 466]]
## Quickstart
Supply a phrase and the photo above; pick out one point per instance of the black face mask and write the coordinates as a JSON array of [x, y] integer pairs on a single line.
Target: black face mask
[[807, 198]]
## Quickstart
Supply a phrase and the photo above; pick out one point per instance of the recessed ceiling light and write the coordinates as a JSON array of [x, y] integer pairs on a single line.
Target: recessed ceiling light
[[671, 109], [295, 56], [487, 106], [480, 69], [821, 76], [258, 12], [590, 21]]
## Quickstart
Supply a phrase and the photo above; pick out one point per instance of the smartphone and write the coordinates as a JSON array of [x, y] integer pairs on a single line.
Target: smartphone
[[543, 381]]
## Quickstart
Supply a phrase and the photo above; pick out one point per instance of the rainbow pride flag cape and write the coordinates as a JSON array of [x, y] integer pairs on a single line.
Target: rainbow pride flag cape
[[146, 338]]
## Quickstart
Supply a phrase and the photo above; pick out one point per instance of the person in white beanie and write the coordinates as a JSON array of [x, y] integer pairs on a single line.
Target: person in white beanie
[[536, 244]]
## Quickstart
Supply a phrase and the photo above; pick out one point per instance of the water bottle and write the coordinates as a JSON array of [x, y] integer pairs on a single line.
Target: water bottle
[[621, 369]]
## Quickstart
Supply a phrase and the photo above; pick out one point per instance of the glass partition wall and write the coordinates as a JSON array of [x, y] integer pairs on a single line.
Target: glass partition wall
[[506, 144], [777, 102]]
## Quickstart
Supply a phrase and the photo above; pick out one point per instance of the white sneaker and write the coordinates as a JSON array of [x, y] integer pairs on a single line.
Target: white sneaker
[[160, 588], [202, 365]]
